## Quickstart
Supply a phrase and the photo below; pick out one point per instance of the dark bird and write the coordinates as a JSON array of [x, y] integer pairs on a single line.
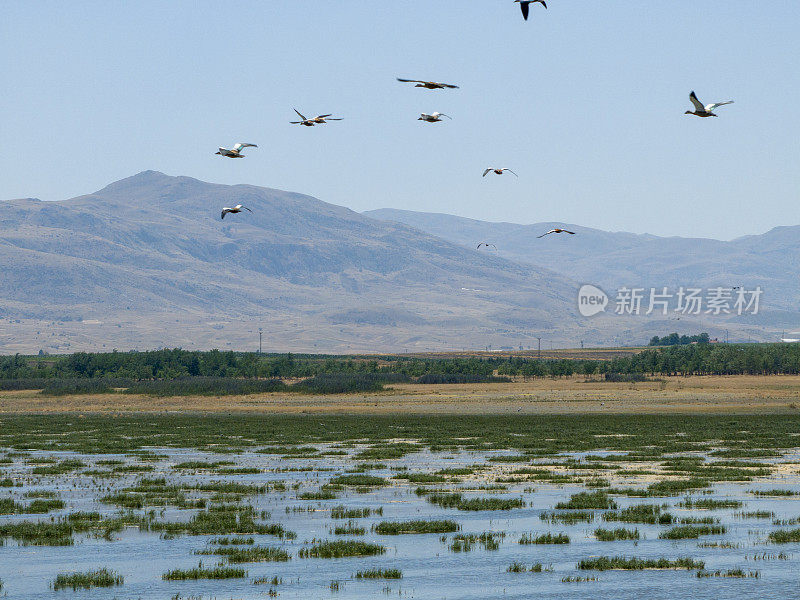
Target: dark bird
[[429, 85], [525, 5], [320, 120], [704, 110], [236, 209], [556, 230], [487, 244]]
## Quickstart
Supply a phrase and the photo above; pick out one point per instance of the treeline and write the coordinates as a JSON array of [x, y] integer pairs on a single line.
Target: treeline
[[177, 363], [124, 369], [673, 339], [695, 359]]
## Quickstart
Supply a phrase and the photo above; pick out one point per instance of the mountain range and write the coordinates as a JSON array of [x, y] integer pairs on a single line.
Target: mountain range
[[147, 262]]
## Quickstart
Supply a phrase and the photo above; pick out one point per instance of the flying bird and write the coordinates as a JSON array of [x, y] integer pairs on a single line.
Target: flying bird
[[236, 151], [556, 230], [487, 244], [320, 120], [429, 85], [236, 209], [701, 110], [498, 171], [525, 5], [434, 117]]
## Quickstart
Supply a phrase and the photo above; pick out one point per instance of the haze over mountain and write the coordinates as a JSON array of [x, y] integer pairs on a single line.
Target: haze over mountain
[[612, 260], [146, 262]]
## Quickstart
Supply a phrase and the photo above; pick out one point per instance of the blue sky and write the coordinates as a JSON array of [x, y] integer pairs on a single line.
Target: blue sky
[[585, 101]]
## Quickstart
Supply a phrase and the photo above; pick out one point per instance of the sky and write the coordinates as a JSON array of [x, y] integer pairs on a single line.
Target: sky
[[585, 101]]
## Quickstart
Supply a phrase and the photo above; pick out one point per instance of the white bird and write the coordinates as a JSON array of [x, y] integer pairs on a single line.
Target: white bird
[[556, 230], [525, 5], [487, 244], [702, 110], [319, 120], [236, 209], [434, 117], [236, 151], [498, 171], [429, 85]]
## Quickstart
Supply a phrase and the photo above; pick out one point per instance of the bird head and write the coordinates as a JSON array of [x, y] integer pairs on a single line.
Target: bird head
[[688, 112]]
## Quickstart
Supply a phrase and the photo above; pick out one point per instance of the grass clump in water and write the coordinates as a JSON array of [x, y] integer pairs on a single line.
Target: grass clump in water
[[251, 554], [456, 500], [545, 538], [380, 574], [588, 500], [29, 533], [606, 563], [691, 532], [569, 517], [784, 536], [359, 479], [613, 535], [708, 503], [100, 578], [775, 493], [640, 513], [341, 549], [415, 526], [342, 512], [201, 572]]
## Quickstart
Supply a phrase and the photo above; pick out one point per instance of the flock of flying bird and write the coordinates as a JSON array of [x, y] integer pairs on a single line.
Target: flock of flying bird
[[700, 110]]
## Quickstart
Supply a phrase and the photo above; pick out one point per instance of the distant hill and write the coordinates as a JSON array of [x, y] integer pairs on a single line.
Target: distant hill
[[612, 260], [146, 262]]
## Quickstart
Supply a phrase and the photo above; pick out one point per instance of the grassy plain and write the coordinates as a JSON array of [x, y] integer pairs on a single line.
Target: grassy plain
[[568, 395]]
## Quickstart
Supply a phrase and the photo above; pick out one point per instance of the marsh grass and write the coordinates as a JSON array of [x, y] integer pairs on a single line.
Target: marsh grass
[[587, 500], [359, 479], [343, 512], [545, 538], [100, 578], [380, 574], [28, 533], [606, 563], [691, 532], [349, 529], [457, 500], [641, 513], [709, 503], [465, 542], [237, 555], [613, 535], [201, 572], [415, 526], [784, 536], [341, 549], [735, 573], [569, 517], [776, 493]]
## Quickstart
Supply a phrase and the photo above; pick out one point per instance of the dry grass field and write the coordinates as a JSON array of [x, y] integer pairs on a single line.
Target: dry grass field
[[707, 394]]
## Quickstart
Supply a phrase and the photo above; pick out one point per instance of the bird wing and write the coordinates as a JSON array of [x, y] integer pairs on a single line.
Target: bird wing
[[543, 3], [324, 116], [247, 209], [225, 211], [241, 145], [479, 245], [448, 85], [569, 232], [524, 6], [444, 115], [510, 171], [486, 171], [711, 107], [697, 104], [548, 233], [412, 80], [301, 116], [336, 119]]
